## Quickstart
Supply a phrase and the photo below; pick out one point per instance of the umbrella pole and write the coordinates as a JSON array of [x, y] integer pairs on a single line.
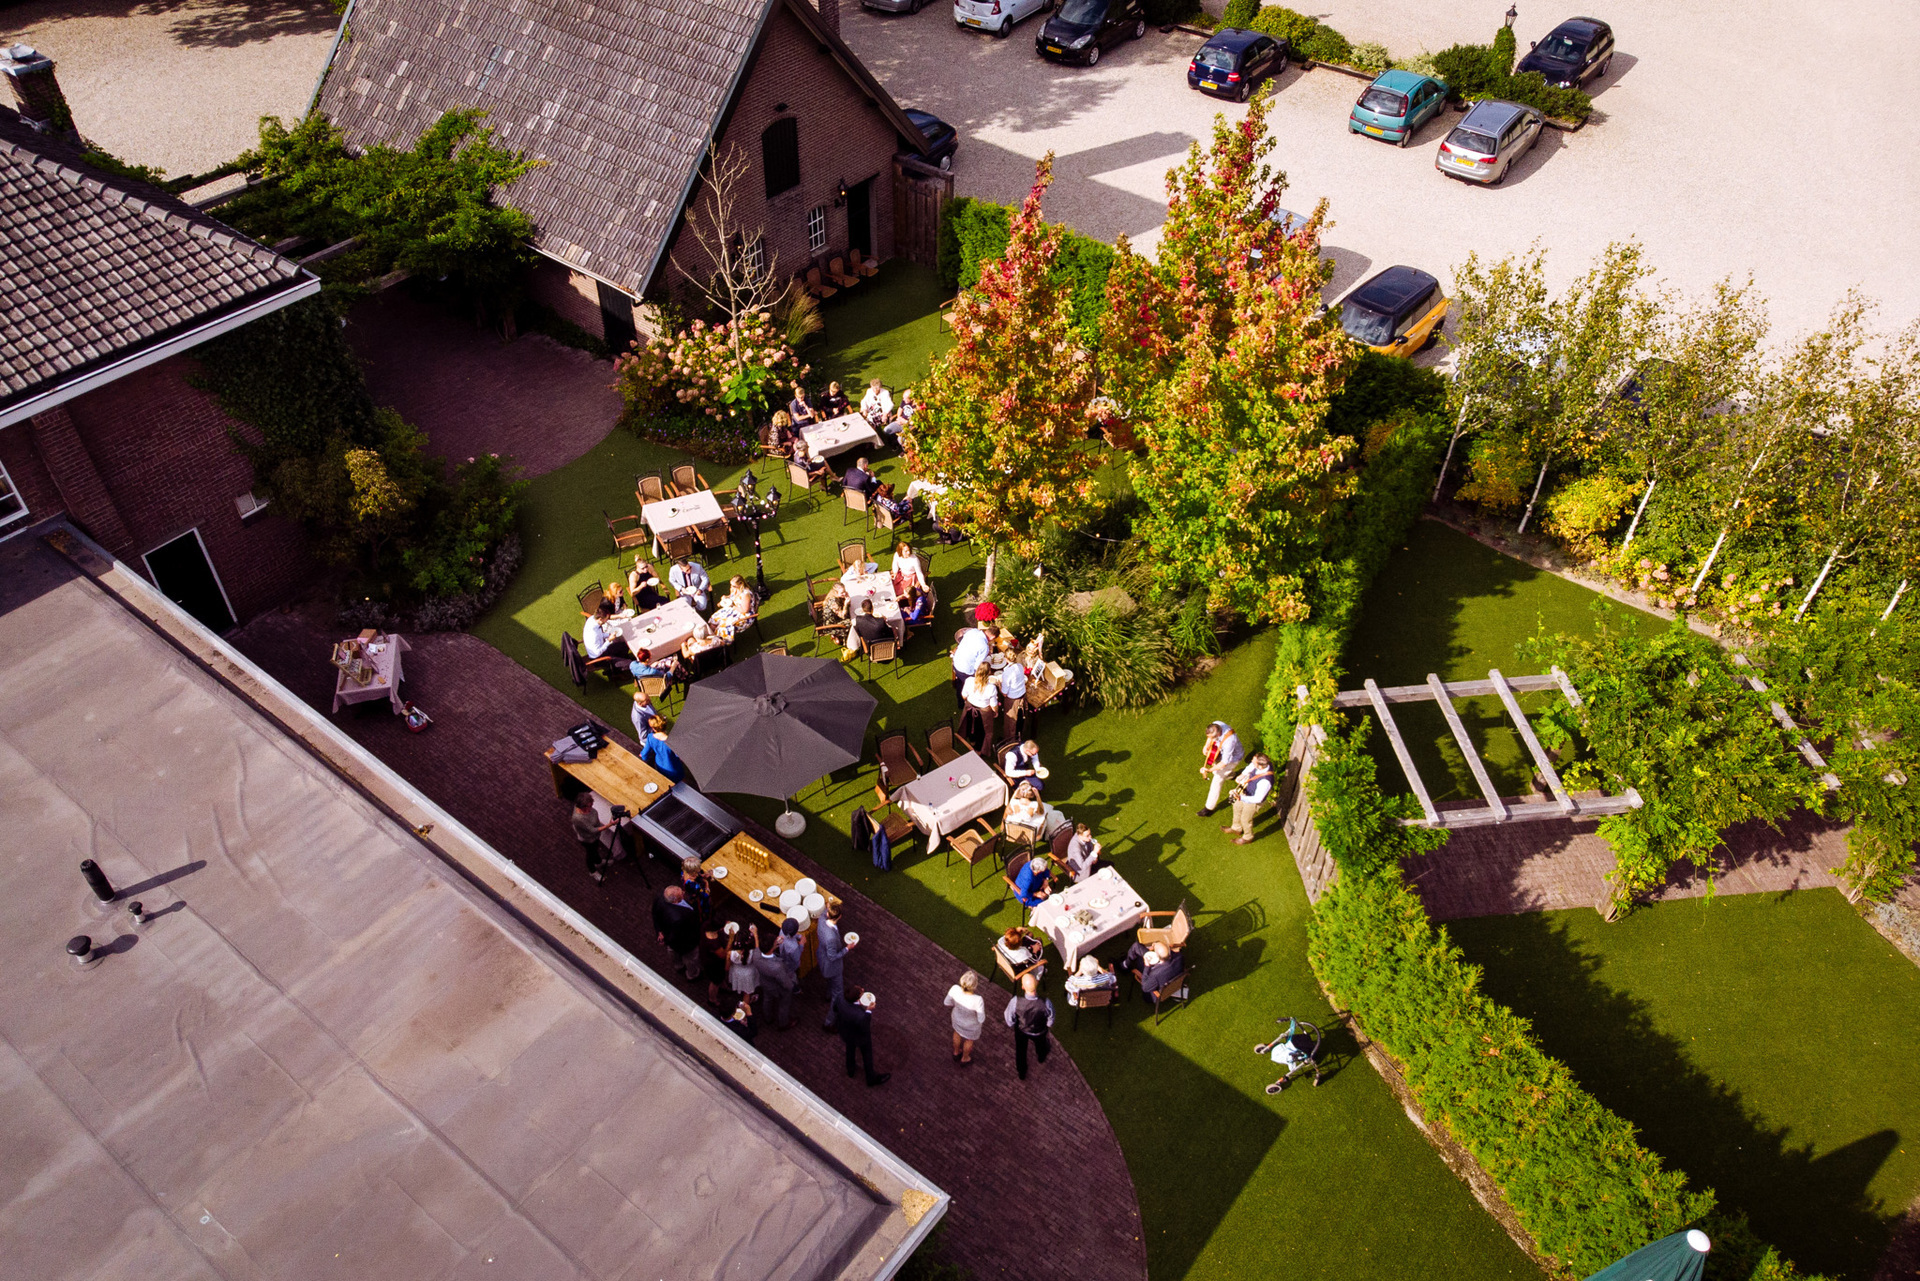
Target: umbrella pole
[[791, 821]]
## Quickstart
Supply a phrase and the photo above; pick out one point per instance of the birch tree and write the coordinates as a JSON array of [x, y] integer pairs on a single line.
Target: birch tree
[[1499, 323]]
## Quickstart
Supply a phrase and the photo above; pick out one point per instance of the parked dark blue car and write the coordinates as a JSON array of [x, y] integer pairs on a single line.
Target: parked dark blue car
[[1235, 61]]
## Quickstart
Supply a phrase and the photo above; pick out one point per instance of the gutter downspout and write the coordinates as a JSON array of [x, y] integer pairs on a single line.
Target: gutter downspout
[[332, 51]]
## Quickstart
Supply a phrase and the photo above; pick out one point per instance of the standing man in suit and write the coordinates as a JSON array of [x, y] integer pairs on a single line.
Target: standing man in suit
[[853, 1018], [1030, 1015], [776, 980], [831, 951]]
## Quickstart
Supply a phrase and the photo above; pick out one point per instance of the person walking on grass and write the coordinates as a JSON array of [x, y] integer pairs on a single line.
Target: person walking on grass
[[1220, 756], [1030, 1015], [1250, 793], [969, 1016], [853, 1019]]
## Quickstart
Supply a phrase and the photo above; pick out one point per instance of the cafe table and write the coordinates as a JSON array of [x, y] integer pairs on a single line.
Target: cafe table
[[951, 796], [671, 517], [838, 435], [1087, 913], [383, 655], [614, 774], [877, 588], [751, 866], [660, 631]]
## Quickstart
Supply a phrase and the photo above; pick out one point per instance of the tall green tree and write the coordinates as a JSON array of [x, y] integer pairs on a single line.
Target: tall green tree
[[1224, 361], [1499, 314]]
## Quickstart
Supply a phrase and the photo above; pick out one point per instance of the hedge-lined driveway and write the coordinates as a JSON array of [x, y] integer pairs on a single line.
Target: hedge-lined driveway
[[1718, 172]]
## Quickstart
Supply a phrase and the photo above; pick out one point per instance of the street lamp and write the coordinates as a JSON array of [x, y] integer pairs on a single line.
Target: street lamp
[[1512, 13]]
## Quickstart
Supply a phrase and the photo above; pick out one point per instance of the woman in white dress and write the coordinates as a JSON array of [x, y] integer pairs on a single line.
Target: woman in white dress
[[969, 1016], [979, 709], [907, 570]]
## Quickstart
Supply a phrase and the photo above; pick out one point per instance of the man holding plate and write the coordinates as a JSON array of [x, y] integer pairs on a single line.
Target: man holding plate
[[1022, 764], [830, 949]]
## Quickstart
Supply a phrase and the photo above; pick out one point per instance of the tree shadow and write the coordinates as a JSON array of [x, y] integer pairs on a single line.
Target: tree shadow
[[228, 24], [1814, 1208]]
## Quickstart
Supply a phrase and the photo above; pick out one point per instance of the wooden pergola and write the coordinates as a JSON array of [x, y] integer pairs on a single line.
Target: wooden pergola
[[1498, 809]]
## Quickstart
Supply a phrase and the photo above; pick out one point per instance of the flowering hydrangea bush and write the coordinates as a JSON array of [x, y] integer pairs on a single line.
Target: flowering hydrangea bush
[[707, 387]]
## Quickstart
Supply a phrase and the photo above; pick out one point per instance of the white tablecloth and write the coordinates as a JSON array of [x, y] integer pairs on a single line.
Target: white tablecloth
[[838, 435], [877, 588], [1123, 910], [677, 515], [386, 677], [671, 624], [937, 802]]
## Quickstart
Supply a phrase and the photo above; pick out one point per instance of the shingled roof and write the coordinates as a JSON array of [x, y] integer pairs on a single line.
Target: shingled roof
[[99, 269], [619, 97]]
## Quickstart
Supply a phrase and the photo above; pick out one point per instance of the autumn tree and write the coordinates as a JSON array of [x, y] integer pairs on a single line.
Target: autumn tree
[[1003, 423], [1222, 358]]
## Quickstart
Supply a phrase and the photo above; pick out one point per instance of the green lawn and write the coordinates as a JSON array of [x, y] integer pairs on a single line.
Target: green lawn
[[1333, 1182], [1769, 1045], [1451, 606]]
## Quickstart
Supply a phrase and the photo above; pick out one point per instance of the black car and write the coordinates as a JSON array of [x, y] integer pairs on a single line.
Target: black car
[[1082, 28], [1235, 61], [942, 138], [1576, 51]]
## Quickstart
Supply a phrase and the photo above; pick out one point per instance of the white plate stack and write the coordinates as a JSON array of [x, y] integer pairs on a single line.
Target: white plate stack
[[791, 898], [814, 903], [805, 885], [799, 916]]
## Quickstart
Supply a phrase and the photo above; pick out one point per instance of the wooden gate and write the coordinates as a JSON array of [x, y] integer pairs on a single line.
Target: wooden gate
[[920, 193], [1316, 866]]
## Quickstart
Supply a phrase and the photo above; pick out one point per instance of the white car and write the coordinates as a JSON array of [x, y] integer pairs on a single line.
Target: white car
[[997, 16]]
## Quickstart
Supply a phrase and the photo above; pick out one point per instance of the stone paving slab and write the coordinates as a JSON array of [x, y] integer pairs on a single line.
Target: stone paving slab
[[481, 760]]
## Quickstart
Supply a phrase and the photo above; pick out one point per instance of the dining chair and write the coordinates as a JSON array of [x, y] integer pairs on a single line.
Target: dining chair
[[590, 598], [882, 652], [1092, 999], [858, 548], [1178, 988], [717, 536], [856, 501], [627, 532], [680, 546], [895, 770], [940, 745], [650, 488], [799, 480], [979, 844], [685, 480]]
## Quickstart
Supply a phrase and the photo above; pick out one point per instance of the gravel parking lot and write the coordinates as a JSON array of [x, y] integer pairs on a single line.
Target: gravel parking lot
[[1730, 143]]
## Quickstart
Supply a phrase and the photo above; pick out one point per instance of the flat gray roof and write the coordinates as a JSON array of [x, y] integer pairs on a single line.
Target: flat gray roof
[[328, 1055]]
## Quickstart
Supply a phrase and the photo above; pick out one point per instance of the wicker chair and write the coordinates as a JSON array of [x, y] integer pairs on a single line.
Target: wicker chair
[[818, 287], [1092, 999], [649, 488], [853, 552], [1178, 988], [716, 537], [799, 480], [895, 770], [979, 844], [680, 546], [1174, 934], [886, 814], [590, 598], [837, 272], [940, 746], [685, 480], [856, 501], [883, 652], [628, 533]]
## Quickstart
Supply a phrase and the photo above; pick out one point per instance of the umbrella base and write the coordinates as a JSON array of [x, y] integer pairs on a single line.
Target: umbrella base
[[790, 824]]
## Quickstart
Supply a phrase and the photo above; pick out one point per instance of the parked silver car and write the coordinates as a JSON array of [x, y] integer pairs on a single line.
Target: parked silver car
[[1483, 147], [997, 16]]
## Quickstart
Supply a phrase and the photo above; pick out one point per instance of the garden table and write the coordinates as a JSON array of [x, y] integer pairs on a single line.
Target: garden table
[[673, 516], [615, 776], [877, 588], [752, 866], [659, 631], [384, 654], [838, 435], [1112, 906], [939, 802]]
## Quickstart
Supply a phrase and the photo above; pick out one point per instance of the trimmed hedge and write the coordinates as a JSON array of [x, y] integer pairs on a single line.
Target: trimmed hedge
[[1307, 36], [974, 231], [1476, 71]]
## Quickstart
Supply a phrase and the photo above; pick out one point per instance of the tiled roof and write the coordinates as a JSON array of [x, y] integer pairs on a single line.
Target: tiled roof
[[95, 267], [618, 97]]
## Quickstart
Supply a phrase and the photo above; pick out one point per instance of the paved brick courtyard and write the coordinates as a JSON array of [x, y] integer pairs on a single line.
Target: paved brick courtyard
[[482, 761]]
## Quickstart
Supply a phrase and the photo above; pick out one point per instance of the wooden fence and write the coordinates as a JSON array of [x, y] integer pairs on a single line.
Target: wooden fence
[[1316, 866]]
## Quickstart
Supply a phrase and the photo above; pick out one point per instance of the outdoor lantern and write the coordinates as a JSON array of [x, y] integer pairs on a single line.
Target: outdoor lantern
[[1512, 13], [840, 200]]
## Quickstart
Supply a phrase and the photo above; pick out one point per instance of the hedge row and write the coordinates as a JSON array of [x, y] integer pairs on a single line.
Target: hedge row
[[974, 231]]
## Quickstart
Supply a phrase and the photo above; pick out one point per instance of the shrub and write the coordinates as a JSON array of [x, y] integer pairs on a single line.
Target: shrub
[[1423, 64], [1467, 69], [720, 440], [1582, 510], [1505, 47], [1240, 13], [1474, 71], [1368, 56], [1308, 36], [726, 374], [974, 231], [1163, 13]]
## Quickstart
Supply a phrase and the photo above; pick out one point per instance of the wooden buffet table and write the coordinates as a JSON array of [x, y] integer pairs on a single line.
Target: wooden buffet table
[[743, 877], [614, 774]]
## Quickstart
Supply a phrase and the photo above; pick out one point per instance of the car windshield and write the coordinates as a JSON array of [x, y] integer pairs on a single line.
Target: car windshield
[[1364, 324], [1385, 101], [1083, 13], [1218, 59], [1561, 47], [1468, 140]]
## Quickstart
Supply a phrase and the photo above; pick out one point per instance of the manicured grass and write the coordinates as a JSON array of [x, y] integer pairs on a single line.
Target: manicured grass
[[1448, 605], [1769, 1045], [1327, 1182]]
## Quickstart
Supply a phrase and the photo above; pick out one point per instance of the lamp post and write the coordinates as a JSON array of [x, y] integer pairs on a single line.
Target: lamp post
[[751, 510], [1512, 13]]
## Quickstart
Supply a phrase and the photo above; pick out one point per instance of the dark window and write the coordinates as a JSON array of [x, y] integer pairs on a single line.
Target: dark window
[[1364, 324], [780, 155], [1082, 13], [1216, 59], [1468, 140], [1384, 102]]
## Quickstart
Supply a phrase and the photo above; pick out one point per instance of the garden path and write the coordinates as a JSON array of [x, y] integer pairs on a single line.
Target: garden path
[[482, 761], [543, 403]]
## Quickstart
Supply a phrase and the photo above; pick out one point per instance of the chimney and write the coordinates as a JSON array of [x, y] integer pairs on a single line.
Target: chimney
[[829, 14], [36, 93]]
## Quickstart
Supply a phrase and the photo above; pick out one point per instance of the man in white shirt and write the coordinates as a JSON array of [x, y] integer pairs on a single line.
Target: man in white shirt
[[689, 578], [877, 404], [598, 637], [969, 652]]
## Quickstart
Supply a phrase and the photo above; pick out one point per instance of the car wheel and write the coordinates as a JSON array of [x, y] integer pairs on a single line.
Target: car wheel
[[946, 163], [1005, 29], [1093, 54], [1605, 62], [1240, 94], [1139, 28], [1406, 139]]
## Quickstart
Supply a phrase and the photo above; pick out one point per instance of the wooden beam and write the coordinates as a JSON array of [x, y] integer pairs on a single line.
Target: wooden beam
[[1807, 750], [1566, 687], [1457, 689], [1474, 763], [1532, 811], [1568, 805], [1406, 760]]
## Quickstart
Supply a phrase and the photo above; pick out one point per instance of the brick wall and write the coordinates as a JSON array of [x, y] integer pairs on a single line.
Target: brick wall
[[30, 477], [570, 295], [163, 451], [843, 137]]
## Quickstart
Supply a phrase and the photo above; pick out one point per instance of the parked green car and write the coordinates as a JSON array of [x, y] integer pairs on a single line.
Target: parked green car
[[1395, 106]]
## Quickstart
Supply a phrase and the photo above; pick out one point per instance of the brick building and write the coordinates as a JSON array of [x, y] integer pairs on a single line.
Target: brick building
[[109, 285], [622, 102]]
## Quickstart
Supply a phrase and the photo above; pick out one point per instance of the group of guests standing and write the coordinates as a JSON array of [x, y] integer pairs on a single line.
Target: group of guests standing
[[1220, 756], [989, 679]]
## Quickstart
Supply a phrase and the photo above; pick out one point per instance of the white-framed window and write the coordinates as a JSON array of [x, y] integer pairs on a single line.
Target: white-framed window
[[755, 255], [816, 229], [12, 506]]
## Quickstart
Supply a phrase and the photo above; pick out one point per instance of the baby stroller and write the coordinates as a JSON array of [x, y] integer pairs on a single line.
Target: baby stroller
[[1295, 1050]]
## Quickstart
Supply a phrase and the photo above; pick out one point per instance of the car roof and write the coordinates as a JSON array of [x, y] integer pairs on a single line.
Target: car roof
[[1398, 80], [1492, 115], [1393, 289], [923, 118], [1234, 38], [1580, 26]]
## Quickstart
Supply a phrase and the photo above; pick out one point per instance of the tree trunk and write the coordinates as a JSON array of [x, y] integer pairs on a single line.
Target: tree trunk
[[1897, 594], [1815, 589], [1459, 429], [993, 556], [1633, 525], [1538, 483], [1701, 577]]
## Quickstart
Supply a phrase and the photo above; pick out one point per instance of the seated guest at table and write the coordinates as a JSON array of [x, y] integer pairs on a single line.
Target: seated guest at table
[[599, 639], [667, 666], [817, 471], [979, 708], [801, 410], [877, 404], [738, 607], [1022, 947], [689, 578], [1083, 852], [1090, 977], [837, 608], [1158, 967], [703, 639], [917, 608], [1021, 766], [901, 509], [782, 433], [1025, 813], [834, 403], [1034, 883], [858, 478], [643, 587], [655, 752], [907, 569], [868, 629], [595, 837], [908, 408]]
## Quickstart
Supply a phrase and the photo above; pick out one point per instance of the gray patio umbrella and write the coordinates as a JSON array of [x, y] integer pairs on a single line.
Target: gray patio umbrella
[[770, 725], [1680, 1257]]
